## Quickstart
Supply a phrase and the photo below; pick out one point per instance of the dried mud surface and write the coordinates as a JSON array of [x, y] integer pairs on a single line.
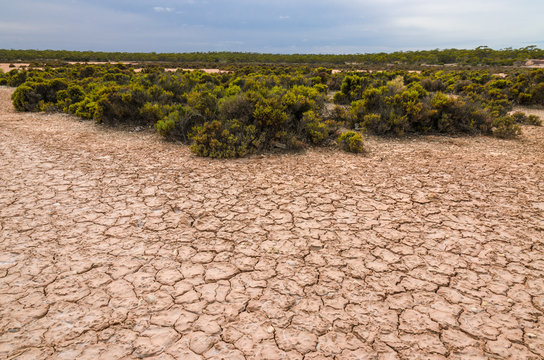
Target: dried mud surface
[[118, 245]]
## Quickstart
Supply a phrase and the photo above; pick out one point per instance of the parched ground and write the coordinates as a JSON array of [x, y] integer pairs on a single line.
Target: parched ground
[[5, 67], [118, 245]]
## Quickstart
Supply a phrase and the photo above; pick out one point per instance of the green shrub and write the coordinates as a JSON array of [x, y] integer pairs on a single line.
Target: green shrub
[[16, 77], [36, 96], [505, 127], [271, 119], [232, 90], [315, 129], [339, 98], [25, 98], [525, 98], [521, 118], [72, 95], [179, 123], [374, 124], [452, 114], [213, 140], [433, 85], [351, 141], [84, 109], [300, 99], [537, 94], [164, 127], [263, 107], [3, 81], [352, 87], [204, 102], [119, 104], [237, 106], [339, 114], [322, 88], [224, 140], [498, 107], [150, 113], [533, 120], [114, 106]]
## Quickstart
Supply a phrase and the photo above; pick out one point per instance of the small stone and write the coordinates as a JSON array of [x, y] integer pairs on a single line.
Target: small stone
[[316, 245]]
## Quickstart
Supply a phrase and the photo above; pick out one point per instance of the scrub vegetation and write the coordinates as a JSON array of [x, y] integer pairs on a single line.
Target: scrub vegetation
[[482, 55], [262, 108]]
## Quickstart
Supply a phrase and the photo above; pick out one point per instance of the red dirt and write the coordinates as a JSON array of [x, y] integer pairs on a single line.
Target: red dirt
[[119, 245]]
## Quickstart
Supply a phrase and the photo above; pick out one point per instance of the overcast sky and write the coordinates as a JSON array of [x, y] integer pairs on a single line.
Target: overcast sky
[[279, 26]]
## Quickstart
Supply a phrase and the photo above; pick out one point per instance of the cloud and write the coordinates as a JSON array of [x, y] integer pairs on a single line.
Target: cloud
[[342, 26], [163, 9]]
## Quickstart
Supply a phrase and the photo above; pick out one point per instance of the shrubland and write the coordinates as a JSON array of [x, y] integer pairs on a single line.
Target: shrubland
[[481, 55], [262, 108]]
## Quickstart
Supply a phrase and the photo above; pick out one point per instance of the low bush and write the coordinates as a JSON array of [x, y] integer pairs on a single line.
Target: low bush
[[533, 120], [16, 77], [25, 98], [505, 127], [213, 139], [315, 129], [36, 96], [165, 127], [118, 104], [3, 78], [252, 109], [72, 95], [217, 139], [522, 118], [179, 123], [351, 141]]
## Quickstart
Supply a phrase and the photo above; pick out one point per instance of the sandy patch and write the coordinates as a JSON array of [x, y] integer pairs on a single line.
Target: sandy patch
[[6, 66]]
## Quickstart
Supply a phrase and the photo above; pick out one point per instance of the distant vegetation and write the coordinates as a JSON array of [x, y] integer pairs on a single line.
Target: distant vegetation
[[261, 108], [479, 56]]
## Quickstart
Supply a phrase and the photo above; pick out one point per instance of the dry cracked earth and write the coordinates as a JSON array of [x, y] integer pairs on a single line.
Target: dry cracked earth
[[117, 245]]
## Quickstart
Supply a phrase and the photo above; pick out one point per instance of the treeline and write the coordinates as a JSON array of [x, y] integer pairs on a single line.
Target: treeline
[[262, 108], [482, 55]]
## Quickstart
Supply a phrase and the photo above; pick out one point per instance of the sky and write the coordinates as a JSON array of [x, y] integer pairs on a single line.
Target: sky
[[279, 26]]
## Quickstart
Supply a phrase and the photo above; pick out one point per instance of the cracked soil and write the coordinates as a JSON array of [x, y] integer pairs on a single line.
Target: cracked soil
[[117, 245]]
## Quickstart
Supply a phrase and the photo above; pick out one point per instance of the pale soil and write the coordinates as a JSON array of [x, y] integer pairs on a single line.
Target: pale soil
[[5, 67], [531, 111], [336, 71], [209, 71], [119, 245], [534, 63]]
